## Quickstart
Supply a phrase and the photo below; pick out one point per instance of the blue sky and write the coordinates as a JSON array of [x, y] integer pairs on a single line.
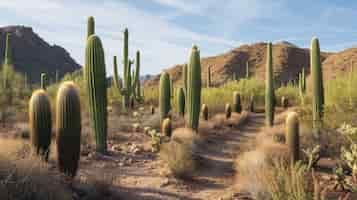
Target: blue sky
[[164, 30]]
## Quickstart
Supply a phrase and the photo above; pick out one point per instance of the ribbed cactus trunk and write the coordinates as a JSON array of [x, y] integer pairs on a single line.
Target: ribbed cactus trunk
[[247, 70], [40, 123], [181, 102], [204, 111], [184, 78], [317, 85], [43, 81], [90, 26], [292, 136], [171, 87], [194, 88], [209, 84], [95, 77], [137, 87], [127, 82], [68, 128], [8, 54], [269, 88], [7, 63], [237, 105], [164, 96], [116, 80]]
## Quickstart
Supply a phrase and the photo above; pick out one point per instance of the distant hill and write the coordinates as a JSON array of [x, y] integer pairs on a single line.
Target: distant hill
[[33, 55], [288, 60]]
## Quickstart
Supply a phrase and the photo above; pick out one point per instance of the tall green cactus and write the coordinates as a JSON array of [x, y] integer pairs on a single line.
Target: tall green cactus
[[164, 93], [97, 92], [184, 77], [117, 83], [269, 88], [44, 81], [40, 123], [292, 135], [317, 85], [247, 70], [193, 88], [181, 102], [137, 86], [237, 105], [171, 87], [90, 26], [8, 54], [209, 77], [68, 128], [127, 73]]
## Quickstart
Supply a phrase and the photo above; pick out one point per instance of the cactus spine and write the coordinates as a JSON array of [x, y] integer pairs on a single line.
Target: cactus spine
[[166, 127], [96, 88], [68, 128], [317, 85], [204, 111], [164, 92], [181, 102], [90, 26], [209, 77], [237, 106], [269, 88], [43, 81], [194, 88], [40, 123], [292, 135]]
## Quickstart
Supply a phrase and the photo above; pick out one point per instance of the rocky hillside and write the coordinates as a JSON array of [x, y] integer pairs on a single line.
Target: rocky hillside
[[340, 62], [32, 55], [288, 62]]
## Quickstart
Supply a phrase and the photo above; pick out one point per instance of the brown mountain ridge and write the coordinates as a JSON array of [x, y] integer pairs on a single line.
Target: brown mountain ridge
[[33, 55], [288, 61]]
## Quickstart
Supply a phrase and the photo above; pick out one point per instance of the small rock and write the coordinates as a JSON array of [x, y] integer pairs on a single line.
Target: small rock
[[116, 147], [165, 183]]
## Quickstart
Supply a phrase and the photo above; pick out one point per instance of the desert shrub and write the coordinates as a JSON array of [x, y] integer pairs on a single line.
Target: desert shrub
[[179, 153], [290, 92]]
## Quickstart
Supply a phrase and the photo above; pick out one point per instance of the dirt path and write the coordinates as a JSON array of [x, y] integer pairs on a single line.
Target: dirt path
[[139, 175]]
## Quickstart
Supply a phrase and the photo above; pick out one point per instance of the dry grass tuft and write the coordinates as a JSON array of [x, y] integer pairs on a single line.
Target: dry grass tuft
[[179, 153], [25, 177]]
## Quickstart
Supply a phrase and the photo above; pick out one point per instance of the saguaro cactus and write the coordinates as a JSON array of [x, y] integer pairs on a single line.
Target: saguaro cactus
[[181, 101], [90, 26], [116, 79], [184, 78], [269, 88], [166, 127], [164, 93], [137, 77], [228, 110], [247, 70], [97, 92], [7, 63], [209, 77], [127, 71], [317, 85], [204, 111], [8, 55], [237, 106], [43, 81], [194, 88], [40, 123], [68, 128], [292, 135]]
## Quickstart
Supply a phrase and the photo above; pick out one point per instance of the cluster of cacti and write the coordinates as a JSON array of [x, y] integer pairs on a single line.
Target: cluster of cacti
[[166, 127], [129, 87], [181, 102], [237, 106], [68, 128], [228, 111], [292, 136], [317, 85], [40, 123], [269, 88], [164, 96], [44, 81], [193, 97], [95, 77], [209, 84], [204, 111]]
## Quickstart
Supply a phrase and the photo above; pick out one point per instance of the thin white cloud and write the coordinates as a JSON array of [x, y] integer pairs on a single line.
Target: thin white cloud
[[161, 42]]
